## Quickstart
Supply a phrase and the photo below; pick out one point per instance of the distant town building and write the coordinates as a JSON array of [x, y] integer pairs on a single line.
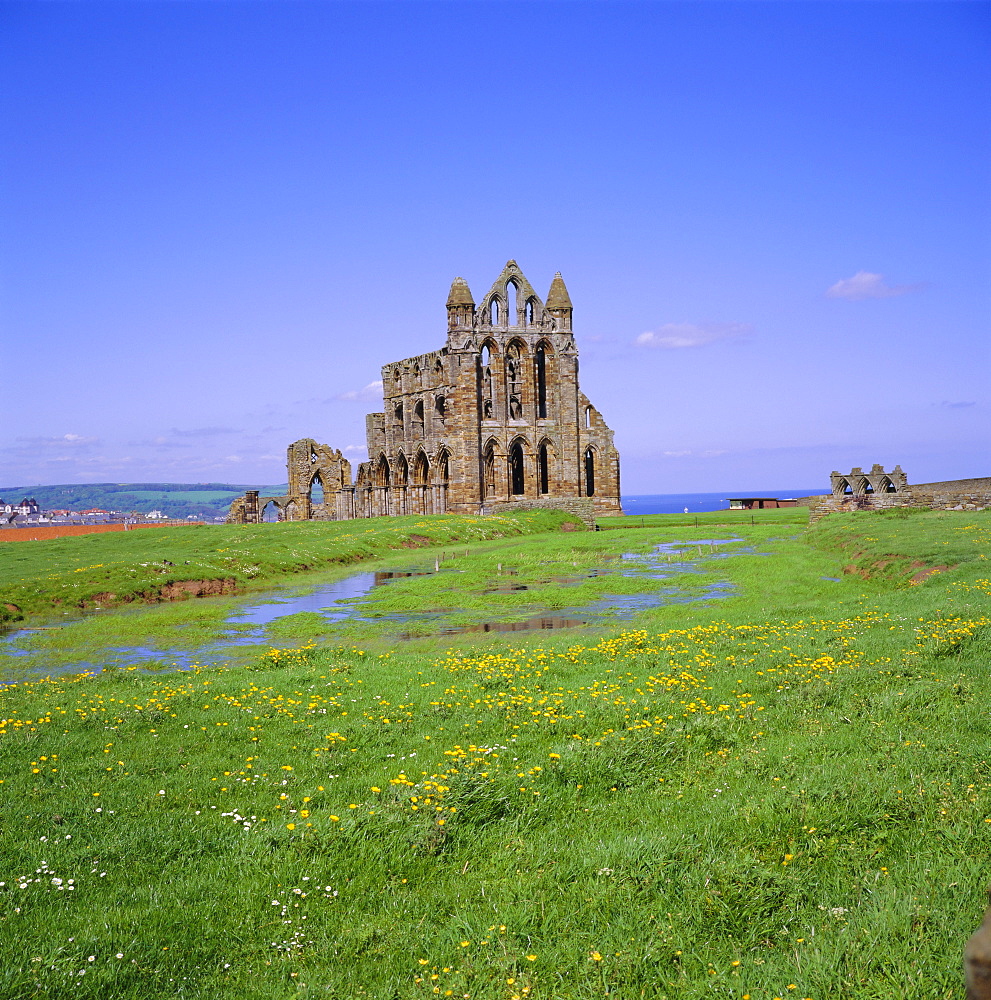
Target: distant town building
[[27, 507]]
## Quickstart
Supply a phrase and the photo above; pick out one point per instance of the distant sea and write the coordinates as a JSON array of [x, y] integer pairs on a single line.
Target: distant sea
[[698, 503]]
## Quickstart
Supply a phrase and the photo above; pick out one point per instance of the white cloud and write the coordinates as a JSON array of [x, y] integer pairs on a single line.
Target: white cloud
[[371, 391], [866, 285], [355, 449], [672, 336]]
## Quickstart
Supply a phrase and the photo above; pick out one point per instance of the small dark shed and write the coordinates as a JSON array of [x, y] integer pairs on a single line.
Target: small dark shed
[[760, 503]]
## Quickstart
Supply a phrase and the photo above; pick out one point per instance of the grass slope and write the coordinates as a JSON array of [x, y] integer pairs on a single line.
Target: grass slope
[[738, 801], [118, 568]]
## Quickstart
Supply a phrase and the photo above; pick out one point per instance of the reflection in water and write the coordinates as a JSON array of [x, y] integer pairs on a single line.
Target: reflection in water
[[527, 625], [316, 600]]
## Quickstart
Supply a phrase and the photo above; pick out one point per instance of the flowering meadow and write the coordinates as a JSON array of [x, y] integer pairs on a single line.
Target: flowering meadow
[[717, 806]]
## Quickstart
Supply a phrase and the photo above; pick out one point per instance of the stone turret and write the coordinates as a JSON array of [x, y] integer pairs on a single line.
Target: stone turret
[[460, 306], [558, 303]]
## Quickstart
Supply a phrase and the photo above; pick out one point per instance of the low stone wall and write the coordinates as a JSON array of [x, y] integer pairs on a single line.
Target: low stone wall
[[582, 507], [961, 494], [956, 486]]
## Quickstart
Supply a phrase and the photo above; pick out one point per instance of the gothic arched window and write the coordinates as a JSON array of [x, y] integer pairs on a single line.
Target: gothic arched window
[[489, 479], [517, 479], [589, 472], [543, 469], [421, 470], [316, 491], [540, 370], [512, 317], [514, 379]]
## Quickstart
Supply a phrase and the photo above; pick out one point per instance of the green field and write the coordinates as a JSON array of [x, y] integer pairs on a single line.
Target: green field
[[783, 793], [204, 496], [135, 566]]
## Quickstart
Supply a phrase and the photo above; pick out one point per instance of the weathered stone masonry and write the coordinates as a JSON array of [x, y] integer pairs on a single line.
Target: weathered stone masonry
[[494, 420], [877, 489]]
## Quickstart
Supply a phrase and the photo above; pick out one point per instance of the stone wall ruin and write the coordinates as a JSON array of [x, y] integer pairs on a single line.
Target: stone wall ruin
[[493, 420], [877, 490]]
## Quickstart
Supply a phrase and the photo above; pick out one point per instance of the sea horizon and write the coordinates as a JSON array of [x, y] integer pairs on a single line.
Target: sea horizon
[[699, 503]]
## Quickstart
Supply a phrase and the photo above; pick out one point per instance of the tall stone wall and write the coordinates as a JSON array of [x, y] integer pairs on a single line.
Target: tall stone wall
[[493, 419]]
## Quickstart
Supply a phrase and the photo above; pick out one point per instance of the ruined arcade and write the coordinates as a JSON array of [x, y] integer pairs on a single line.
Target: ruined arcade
[[493, 420]]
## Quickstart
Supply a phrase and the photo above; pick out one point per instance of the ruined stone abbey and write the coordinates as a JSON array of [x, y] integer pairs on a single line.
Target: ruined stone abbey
[[494, 420]]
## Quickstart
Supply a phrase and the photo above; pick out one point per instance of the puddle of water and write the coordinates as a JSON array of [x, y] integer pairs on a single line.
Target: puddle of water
[[833, 579], [257, 614], [341, 600], [657, 564], [318, 600]]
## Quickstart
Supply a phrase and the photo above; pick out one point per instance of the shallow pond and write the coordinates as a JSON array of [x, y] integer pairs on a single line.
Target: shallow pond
[[341, 601]]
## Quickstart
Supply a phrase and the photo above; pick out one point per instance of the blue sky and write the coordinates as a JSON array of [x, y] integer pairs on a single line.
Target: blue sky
[[221, 219]]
